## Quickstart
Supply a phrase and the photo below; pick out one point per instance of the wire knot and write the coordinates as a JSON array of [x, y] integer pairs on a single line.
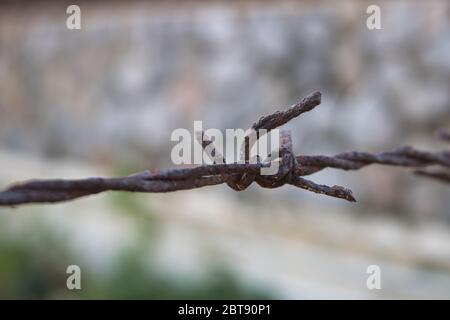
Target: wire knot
[[287, 169]]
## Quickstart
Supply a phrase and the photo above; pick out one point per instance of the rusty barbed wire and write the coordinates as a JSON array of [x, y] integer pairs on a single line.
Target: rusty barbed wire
[[239, 176]]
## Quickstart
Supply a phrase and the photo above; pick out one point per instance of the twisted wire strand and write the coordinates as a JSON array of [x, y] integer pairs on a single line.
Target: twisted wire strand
[[241, 175]]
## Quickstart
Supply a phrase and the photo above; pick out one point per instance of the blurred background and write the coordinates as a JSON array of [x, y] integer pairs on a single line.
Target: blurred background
[[104, 100]]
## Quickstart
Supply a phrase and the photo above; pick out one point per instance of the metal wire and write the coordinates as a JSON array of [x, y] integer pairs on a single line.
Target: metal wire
[[239, 176]]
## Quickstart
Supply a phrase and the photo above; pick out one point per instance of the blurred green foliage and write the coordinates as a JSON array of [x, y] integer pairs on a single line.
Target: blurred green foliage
[[34, 267]]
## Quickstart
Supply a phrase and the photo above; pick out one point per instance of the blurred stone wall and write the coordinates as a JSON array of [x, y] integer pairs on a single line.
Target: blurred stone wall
[[113, 92]]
